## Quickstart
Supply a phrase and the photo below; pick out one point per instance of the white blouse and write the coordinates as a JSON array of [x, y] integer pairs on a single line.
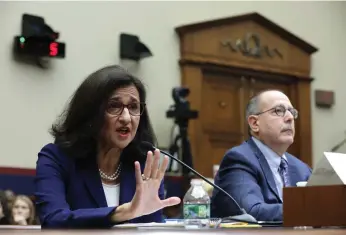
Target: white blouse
[[112, 193]]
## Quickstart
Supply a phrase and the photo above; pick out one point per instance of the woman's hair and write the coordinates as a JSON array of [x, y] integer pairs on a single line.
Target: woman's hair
[[31, 219], [78, 130]]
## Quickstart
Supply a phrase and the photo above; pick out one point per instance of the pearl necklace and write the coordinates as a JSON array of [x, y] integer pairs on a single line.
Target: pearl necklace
[[112, 177]]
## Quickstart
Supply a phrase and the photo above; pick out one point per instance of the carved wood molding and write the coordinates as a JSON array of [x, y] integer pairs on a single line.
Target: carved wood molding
[[243, 45], [247, 41], [238, 71], [256, 17]]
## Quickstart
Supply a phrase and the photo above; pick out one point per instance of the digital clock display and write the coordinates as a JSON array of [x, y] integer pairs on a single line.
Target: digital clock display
[[39, 47]]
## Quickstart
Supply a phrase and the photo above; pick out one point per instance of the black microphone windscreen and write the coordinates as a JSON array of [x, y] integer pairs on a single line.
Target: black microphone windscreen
[[147, 146]]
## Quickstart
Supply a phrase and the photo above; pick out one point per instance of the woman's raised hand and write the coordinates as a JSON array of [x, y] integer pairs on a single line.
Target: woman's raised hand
[[146, 199]]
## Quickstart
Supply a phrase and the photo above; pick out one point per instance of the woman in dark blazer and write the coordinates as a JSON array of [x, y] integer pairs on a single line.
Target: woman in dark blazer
[[95, 175]]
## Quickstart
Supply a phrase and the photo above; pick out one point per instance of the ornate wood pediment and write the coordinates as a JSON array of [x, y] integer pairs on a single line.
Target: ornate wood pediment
[[246, 41]]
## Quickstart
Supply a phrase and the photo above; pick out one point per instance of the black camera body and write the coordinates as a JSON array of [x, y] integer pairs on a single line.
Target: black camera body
[[181, 109]]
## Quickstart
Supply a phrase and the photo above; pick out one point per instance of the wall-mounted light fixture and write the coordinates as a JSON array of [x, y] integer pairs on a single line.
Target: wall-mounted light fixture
[[132, 48]]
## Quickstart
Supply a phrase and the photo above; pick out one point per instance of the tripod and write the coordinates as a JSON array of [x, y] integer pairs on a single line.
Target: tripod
[[185, 146], [181, 113]]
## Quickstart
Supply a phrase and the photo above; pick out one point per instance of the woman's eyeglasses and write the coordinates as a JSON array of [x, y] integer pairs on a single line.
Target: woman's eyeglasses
[[116, 108]]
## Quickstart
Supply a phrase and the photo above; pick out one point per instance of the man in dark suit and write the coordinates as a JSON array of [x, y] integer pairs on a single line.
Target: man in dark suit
[[255, 172]]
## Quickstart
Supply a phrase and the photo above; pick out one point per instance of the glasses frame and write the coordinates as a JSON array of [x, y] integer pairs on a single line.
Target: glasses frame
[[293, 111], [141, 104]]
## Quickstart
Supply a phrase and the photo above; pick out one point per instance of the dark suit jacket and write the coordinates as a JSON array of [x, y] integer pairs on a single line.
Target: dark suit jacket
[[69, 192], [245, 174]]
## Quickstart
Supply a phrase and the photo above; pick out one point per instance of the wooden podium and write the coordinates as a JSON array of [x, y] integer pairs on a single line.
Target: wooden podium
[[315, 206]]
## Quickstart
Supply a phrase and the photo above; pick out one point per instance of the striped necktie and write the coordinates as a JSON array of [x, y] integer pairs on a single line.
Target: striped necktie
[[283, 171]]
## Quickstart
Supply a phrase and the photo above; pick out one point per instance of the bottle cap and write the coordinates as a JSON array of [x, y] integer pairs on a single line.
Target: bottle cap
[[196, 182]]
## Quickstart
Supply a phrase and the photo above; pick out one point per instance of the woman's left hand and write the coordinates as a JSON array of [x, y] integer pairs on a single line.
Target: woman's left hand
[[146, 199], [19, 220]]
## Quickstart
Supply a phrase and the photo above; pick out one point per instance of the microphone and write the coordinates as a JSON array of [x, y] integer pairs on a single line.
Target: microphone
[[244, 217]]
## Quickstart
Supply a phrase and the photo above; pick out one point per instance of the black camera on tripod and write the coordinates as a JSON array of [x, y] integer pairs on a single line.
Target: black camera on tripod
[[182, 113], [181, 109]]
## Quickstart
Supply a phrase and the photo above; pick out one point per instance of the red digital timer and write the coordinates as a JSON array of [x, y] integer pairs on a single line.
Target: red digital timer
[[39, 47], [53, 49]]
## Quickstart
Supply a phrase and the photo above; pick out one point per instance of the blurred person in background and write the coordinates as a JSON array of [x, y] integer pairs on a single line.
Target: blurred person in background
[[10, 195], [4, 209], [23, 211], [95, 175]]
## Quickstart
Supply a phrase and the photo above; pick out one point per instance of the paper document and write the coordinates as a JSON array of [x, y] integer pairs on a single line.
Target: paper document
[[330, 170], [139, 225], [239, 225]]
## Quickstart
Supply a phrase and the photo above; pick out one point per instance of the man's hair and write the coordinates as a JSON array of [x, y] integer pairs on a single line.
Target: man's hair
[[252, 108]]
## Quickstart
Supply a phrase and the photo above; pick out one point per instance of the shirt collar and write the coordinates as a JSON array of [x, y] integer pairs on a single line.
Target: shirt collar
[[273, 158]]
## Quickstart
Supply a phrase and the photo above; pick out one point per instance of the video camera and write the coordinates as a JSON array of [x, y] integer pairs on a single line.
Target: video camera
[[181, 109], [182, 113]]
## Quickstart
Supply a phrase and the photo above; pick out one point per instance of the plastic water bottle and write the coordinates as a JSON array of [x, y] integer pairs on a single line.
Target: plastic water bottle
[[196, 208]]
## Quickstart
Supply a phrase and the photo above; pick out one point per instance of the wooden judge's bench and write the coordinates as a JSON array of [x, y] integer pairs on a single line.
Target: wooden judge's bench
[[178, 231]]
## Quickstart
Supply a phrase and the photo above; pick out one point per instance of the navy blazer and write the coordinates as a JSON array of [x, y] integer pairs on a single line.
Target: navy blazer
[[69, 192], [245, 174]]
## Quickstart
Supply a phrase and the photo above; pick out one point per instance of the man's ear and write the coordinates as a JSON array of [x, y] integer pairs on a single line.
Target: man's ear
[[253, 123]]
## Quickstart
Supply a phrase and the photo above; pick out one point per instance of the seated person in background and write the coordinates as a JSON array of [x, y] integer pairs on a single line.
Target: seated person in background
[[4, 209], [255, 172], [94, 174], [23, 211], [10, 195]]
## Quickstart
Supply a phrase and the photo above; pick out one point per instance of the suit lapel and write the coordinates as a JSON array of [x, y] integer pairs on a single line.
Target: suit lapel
[[92, 181], [265, 167], [292, 171], [127, 184]]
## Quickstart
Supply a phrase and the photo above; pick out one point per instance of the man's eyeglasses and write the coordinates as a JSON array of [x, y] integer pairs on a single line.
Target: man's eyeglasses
[[116, 108], [281, 111]]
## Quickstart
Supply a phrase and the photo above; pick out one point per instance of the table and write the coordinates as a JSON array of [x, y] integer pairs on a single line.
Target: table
[[15, 230]]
